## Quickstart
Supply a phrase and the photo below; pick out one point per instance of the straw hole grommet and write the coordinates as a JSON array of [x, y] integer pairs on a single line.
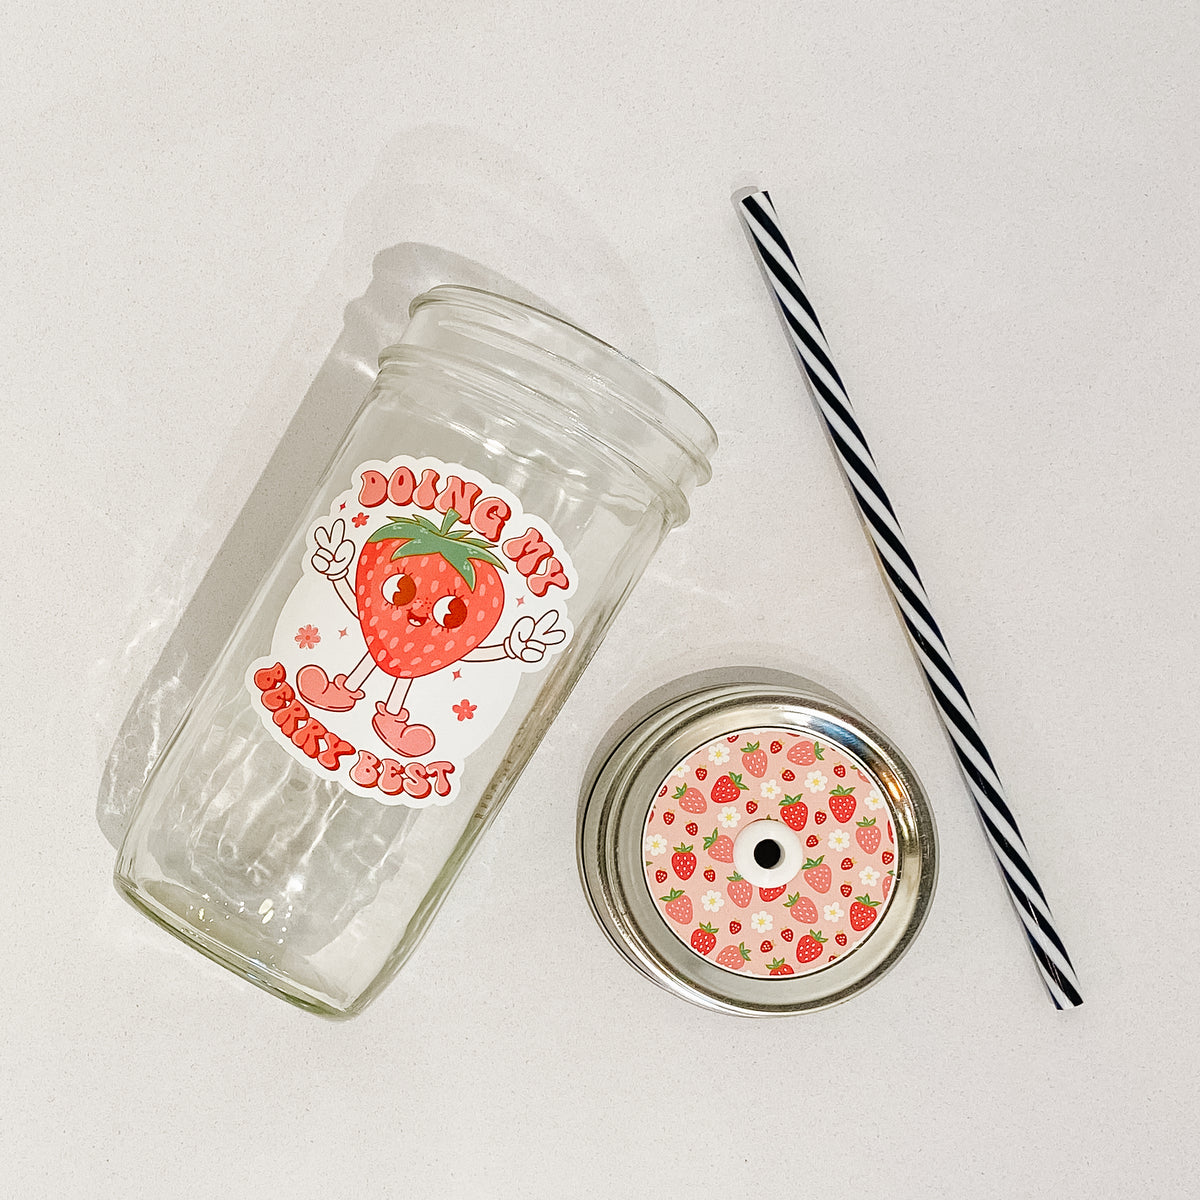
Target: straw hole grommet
[[767, 853]]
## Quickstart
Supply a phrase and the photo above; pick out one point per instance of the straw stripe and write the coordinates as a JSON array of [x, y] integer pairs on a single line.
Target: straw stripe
[[908, 592]]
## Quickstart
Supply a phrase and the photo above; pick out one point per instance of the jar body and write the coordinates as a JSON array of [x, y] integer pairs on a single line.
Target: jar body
[[311, 862]]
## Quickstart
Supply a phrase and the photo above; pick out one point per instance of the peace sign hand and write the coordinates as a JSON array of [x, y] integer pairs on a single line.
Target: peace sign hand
[[528, 639], [334, 552]]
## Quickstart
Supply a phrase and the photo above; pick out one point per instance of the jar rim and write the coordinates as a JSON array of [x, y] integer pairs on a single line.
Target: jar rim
[[681, 420]]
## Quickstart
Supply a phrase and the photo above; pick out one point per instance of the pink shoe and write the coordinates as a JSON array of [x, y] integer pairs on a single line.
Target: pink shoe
[[321, 692], [410, 740]]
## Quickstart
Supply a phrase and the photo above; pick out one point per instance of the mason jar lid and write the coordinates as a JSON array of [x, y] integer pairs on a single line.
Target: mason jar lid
[[751, 843]]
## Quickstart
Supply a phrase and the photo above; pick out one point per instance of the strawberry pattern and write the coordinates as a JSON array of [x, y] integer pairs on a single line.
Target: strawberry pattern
[[818, 790]]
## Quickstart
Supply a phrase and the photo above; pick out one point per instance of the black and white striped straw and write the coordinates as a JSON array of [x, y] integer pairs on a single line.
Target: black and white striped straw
[[879, 520]]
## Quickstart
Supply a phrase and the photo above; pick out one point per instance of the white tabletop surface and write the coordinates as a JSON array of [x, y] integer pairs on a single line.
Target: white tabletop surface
[[995, 210]]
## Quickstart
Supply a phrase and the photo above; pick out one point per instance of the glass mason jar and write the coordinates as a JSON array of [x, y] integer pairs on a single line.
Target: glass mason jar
[[501, 490]]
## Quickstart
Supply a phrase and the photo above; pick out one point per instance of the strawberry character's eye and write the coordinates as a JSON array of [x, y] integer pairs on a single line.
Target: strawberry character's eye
[[450, 612], [399, 589]]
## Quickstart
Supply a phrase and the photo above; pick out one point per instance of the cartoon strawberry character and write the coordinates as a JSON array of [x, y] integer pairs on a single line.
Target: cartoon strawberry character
[[709, 874], [887, 883], [863, 912], [868, 834], [668, 818], [690, 799], [820, 817], [735, 927], [841, 939], [766, 895], [740, 891], [802, 909], [817, 875], [754, 759], [847, 890], [788, 775], [691, 829], [727, 789], [804, 754], [679, 906], [734, 957], [812, 841], [426, 597], [751, 807], [808, 948], [704, 938], [787, 934], [888, 858], [660, 877], [840, 771], [776, 747], [778, 967], [794, 812], [701, 773], [766, 947], [842, 804], [719, 847]]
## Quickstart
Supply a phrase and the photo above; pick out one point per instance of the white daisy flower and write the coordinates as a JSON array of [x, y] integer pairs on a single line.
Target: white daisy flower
[[761, 922], [680, 771], [728, 817], [770, 790], [874, 800], [815, 781], [712, 901], [868, 876], [718, 754], [656, 844], [839, 839], [833, 912]]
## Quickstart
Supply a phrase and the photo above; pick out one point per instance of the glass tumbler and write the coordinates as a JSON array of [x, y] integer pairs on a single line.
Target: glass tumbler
[[500, 491]]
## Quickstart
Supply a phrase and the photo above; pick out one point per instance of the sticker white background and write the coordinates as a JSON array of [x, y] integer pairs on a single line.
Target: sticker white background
[[462, 702]]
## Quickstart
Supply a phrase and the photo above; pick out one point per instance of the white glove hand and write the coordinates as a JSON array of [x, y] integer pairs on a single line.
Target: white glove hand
[[527, 640], [335, 551]]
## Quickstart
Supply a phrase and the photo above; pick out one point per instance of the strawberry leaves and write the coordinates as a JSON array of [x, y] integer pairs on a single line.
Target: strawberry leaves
[[421, 536]]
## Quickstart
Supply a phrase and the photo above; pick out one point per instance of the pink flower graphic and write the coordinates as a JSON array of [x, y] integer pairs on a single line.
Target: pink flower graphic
[[465, 711], [307, 636], [359, 521]]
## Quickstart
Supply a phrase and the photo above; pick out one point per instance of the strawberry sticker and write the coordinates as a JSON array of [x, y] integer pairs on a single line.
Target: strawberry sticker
[[719, 847], [691, 799], [794, 812], [802, 909], [453, 594], [863, 912], [683, 861], [809, 947], [727, 789], [804, 754], [842, 804], [719, 791], [734, 957], [868, 835], [678, 906], [740, 892], [754, 759]]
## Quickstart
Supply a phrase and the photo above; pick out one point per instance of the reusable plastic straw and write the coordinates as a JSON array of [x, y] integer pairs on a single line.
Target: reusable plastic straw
[[879, 520]]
